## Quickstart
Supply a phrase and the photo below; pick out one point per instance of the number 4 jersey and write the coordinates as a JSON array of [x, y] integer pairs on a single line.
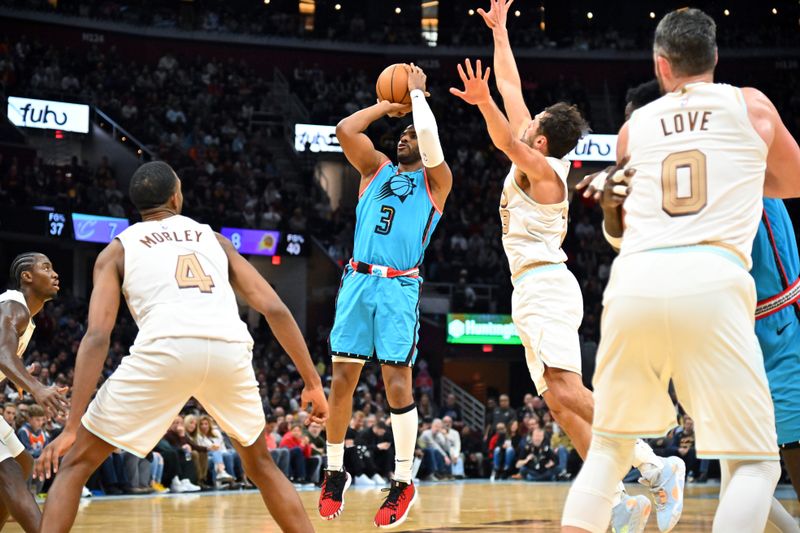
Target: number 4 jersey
[[176, 282], [395, 218], [699, 172]]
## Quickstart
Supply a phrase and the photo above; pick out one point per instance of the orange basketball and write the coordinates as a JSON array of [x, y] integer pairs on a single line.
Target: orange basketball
[[393, 85]]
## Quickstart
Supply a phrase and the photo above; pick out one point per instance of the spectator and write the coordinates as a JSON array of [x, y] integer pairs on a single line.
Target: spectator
[[10, 413], [186, 454], [210, 438], [453, 439], [538, 462], [138, 472], [377, 452], [299, 454], [279, 455], [426, 407], [32, 434], [501, 452], [436, 458], [503, 413], [190, 422], [473, 452], [450, 409]]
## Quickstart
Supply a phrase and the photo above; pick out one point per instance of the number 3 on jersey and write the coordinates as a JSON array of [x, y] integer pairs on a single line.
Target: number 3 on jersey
[[385, 225], [190, 274]]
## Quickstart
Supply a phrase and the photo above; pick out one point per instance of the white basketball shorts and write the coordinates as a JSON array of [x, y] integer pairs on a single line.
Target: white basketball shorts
[[547, 309], [136, 405], [10, 445], [684, 314]]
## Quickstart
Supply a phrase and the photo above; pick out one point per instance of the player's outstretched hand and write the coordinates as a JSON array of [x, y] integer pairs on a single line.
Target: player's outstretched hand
[[52, 399], [498, 13], [610, 186], [476, 84], [416, 78], [319, 404], [47, 463]]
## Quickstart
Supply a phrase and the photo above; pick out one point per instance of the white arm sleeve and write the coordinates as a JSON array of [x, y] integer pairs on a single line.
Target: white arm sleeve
[[430, 148]]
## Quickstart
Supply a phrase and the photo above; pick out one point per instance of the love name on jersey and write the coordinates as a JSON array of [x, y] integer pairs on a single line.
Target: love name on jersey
[[158, 237], [686, 121]]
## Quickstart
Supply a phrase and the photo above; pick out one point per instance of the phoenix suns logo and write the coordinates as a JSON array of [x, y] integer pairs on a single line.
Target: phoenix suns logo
[[399, 185]]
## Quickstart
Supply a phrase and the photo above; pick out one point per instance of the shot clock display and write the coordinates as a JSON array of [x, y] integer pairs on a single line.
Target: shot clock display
[[266, 242]]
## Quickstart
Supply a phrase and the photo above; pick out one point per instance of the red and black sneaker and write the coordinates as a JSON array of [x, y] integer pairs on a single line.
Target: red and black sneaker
[[331, 498], [395, 508]]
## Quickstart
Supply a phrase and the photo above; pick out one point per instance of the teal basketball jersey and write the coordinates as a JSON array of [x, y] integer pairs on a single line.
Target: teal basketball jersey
[[395, 218]]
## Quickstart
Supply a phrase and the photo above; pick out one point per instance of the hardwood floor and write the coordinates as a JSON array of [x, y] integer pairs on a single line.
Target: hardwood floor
[[460, 506]]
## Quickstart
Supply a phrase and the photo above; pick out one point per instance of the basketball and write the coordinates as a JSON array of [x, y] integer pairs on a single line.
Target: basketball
[[392, 84]]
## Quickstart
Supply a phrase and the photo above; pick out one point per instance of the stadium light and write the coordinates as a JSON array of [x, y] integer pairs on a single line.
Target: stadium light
[[727, 13], [652, 15], [397, 10], [517, 13], [590, 15], [774, 11], [471, 12], [337, 7]]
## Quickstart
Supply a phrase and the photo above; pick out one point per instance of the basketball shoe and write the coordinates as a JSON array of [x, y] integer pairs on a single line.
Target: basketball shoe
[[667, 489], [397, 504], [630, 515], [331, 497]]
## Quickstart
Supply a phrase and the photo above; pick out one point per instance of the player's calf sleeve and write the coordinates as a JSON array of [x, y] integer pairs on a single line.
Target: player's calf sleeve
[[589, 501], [747, 496], [430, 149], [779, 520], [404, 432], [335, 453], [648, 463]]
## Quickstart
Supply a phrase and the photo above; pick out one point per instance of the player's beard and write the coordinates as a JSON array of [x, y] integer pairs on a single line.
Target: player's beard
[[409, 158]]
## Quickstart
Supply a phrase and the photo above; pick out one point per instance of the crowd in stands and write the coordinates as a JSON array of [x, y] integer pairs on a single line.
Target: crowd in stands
[[196, 114], [605, 31]]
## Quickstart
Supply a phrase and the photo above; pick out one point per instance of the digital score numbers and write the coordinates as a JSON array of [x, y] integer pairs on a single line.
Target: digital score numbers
[[37, 222], [266, 242]]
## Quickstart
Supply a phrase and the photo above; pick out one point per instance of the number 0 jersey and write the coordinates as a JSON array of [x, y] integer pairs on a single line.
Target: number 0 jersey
[[533, 232], [176, 282], [395, 218], [699, 172]]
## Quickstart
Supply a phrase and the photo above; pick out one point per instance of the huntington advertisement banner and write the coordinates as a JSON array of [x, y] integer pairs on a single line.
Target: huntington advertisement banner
[[48, 114], [481, 329]]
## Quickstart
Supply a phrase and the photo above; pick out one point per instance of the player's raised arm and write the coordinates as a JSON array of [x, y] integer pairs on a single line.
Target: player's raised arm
[[476, 92], [430, 148], [357, 147], [258, 294], [92, 353], [783, 160], [14, 319], [505, 67]]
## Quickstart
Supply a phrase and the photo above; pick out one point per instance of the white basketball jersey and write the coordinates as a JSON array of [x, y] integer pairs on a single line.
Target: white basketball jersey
[[17, 296], [533, 232], [176, 282], [699, 172]]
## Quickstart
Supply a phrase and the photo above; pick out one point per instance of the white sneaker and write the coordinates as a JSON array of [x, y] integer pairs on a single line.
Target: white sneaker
[[188, 486], [176, 485], [378, 480], [222, 475], [85, 493], [364, 480]]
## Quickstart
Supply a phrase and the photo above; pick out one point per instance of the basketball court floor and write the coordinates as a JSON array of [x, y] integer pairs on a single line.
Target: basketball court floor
[[477, 506]]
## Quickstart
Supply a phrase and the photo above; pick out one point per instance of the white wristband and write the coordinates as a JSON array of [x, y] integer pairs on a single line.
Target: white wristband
[[615, 242]]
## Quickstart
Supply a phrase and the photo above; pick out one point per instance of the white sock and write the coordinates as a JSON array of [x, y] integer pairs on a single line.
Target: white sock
[[745, 495], [335, 452], [780, 521], [404, 431], [648, 463], [590, 499]]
